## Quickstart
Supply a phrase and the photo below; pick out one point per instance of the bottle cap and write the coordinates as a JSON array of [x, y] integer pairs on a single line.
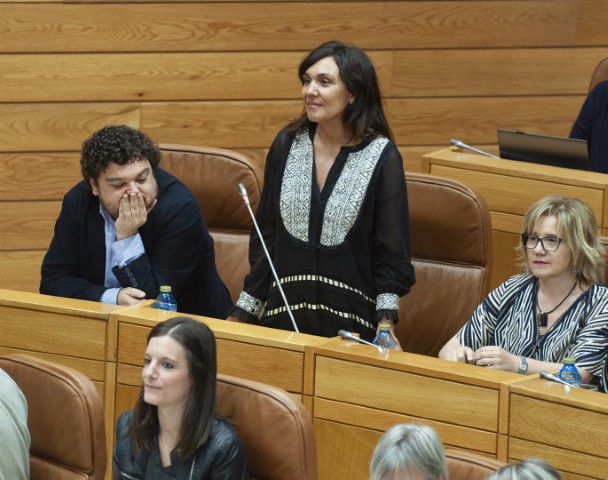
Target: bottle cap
[[385, 326], [165, 288], [570, 360]]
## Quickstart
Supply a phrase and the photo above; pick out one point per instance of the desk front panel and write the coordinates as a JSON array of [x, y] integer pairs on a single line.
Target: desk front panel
[[566, 427], [360, 392], [71, 332]]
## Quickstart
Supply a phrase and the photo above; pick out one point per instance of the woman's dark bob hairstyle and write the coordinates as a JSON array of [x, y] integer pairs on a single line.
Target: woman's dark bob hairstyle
[[199, 342], [366, 114]]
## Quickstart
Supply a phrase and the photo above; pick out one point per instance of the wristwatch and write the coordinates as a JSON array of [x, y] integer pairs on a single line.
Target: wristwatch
[[523, 365]]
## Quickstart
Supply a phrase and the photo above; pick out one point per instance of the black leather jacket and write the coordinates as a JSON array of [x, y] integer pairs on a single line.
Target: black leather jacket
[[222, 458]]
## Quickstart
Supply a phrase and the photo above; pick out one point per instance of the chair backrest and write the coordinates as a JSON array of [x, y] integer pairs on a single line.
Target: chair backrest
[[604, 241], [213, 175], [276, 430], [599, 74], [469, 466], [65, 419], [451, 235]]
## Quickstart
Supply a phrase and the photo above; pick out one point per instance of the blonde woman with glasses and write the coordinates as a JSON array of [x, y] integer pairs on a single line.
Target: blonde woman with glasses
[[557, 308]]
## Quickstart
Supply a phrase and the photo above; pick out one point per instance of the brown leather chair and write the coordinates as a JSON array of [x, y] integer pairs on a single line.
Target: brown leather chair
[[213, 175], [276, 430], [464, 465], [605, 244], [451, 237], [65, 419], [599, 74]]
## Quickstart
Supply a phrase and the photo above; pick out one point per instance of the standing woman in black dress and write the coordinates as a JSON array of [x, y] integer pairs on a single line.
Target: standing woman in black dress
[[333, 212]]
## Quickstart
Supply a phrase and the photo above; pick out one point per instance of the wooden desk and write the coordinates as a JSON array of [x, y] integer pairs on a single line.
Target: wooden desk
[[63, 330], [510, 188], [359, 393], [566, 427]]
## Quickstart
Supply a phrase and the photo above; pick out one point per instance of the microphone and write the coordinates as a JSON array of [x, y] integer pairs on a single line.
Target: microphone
[[349, 336], [553, 378], [243, 194], [460, 144]]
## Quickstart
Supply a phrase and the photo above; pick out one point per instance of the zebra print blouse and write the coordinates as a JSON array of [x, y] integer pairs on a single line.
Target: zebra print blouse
[[506, 319]]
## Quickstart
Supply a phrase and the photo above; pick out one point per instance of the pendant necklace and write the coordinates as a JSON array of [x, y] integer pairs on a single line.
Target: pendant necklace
[[542, 318]]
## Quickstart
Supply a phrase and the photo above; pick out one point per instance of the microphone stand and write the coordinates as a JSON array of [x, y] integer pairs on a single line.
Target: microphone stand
[[460, 144], [243, 193], [349, 336], [553, 378]]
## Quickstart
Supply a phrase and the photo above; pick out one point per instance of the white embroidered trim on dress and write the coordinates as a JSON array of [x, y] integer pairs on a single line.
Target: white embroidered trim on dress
[[311, 306], [296, 188], [328, 281], [345, 200], [387, 301], [250, 304]]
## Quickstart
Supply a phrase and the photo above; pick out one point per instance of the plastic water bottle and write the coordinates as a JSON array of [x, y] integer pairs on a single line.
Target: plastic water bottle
[[165, 299], [569, 373], [384, 338]]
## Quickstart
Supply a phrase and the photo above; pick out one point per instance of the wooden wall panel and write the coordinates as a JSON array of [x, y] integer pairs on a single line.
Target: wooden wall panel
[[60, 77], [20, 269], [235, 26], [140, 77], [486, 72], [37, 176], [29, 127], [27, 224], [218, 123], [239, 124], [223, 73]]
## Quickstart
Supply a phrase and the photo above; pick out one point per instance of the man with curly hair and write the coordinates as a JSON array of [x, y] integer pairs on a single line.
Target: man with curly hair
[[130, 227]]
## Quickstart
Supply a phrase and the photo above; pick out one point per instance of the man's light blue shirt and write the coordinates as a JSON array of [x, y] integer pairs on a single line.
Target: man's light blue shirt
[[118, 253]]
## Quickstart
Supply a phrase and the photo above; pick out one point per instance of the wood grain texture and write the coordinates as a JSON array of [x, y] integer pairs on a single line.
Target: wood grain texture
[[20, 269], [566, 461], [34, 127], [29, 225], [488, 72], [50, 332], [429, 121], [409, 394], [38, 176], [371, 418], [514, 195], [564, 426], [220, 27], [161, 76], [56, 305], [345, 449]]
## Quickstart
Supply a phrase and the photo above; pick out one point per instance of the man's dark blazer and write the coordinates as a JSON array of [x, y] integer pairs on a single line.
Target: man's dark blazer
[[178, 251]]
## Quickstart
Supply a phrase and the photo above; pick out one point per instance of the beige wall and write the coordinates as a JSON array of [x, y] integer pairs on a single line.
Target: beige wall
[[223, 74]]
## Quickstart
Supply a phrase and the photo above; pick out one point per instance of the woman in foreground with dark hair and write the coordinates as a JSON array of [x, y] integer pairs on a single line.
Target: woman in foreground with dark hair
[[172, 433], [333, 211]]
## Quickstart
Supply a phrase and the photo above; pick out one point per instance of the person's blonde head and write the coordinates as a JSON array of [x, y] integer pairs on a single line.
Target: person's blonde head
[[408, 450], [577, 225]]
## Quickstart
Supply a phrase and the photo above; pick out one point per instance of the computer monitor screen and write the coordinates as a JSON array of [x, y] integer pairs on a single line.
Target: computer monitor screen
[[544, 149]]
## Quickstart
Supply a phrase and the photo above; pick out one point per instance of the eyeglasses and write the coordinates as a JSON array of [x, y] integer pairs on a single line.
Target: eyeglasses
[[549, 244]]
